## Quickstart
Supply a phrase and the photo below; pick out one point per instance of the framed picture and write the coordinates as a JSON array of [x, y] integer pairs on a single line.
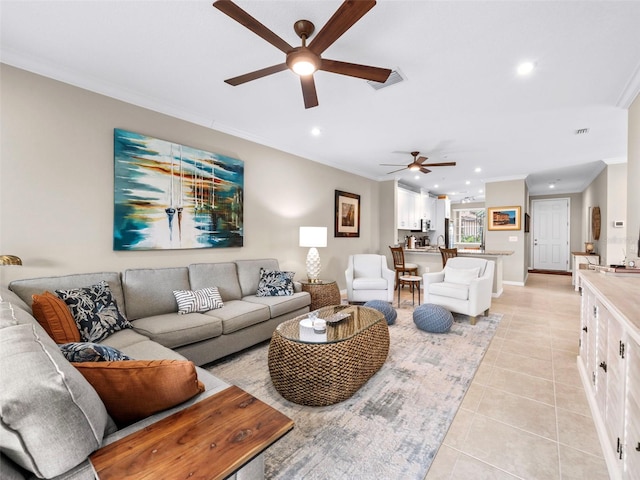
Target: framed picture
[[347, 215], [504, 218], [172, 196], [527, 223]]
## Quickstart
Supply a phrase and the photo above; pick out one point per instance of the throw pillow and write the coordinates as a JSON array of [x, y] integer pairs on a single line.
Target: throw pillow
[[202, 300], [460, 275], [55, 317], [95, 311], [275, 283], [135, 389], [91, 352]]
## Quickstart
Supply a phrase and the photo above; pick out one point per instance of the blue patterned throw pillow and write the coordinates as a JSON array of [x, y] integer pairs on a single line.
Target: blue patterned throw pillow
[[203, 300], [274, 283], [91, 352], [95, 311]]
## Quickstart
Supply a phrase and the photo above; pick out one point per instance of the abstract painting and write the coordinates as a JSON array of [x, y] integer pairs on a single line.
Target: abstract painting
[[171, 196]]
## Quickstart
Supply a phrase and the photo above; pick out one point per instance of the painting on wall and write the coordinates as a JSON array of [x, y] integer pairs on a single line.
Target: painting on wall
[[504, 218], [347, 216], [171, 196]]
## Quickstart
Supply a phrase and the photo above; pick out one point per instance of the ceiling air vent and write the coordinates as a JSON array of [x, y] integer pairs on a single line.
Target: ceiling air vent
[[582, 131], [394, 78]]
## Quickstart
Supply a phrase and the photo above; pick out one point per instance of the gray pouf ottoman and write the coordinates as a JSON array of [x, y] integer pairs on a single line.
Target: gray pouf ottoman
[[385, 308], [432, 318]]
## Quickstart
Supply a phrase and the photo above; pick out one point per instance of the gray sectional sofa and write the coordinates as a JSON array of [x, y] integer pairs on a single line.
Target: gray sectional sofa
[[146, 298]]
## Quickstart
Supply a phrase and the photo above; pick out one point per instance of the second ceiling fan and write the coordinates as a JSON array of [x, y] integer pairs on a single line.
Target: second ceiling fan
[[305, 60], [418, 164]]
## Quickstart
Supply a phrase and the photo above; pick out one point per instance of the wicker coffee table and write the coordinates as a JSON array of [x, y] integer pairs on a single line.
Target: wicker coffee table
[[328, 368]]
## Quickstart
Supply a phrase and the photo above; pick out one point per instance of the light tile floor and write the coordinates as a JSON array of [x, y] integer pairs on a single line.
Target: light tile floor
[[525, 416]]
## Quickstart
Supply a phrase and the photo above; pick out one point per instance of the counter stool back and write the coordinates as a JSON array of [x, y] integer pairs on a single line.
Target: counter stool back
[[400, 266]]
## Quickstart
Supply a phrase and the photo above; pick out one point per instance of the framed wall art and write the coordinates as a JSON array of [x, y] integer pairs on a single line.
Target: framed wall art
[[347, 215], [171, 196], [503, 218], [527, 223]]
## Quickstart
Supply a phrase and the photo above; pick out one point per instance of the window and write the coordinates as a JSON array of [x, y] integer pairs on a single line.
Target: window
[[468, 225]]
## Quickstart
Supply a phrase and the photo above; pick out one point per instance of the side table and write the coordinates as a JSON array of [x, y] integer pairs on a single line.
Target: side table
[[323, 293], [210, 439], [414, 282]]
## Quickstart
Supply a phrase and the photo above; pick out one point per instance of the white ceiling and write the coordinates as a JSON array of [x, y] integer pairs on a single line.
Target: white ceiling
[[461, 99]]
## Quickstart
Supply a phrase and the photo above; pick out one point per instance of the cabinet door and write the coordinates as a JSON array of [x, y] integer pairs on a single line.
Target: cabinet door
[[417, 211], [592, 315], [403, 209], [631, 457], [587, 333], [616, 372], [602, 316]]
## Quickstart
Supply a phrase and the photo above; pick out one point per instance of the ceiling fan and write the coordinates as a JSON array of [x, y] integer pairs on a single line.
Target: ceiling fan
[[305, 60], [418, 164]]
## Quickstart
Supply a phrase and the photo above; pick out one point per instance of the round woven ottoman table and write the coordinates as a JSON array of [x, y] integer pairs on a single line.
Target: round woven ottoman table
[[432, 318], [385, 308], [320, 369]]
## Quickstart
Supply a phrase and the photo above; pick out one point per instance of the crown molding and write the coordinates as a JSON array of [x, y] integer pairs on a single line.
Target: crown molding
[[630, 90]]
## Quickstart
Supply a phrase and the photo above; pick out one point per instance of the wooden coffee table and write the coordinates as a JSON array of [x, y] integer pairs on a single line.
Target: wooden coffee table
[[211, 439], [324, 369]]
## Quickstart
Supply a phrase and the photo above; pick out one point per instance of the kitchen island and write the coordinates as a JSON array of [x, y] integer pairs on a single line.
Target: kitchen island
[[429, 259]]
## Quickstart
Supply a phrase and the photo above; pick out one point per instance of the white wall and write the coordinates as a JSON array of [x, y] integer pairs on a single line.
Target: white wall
[[633, 180], [56, 187]]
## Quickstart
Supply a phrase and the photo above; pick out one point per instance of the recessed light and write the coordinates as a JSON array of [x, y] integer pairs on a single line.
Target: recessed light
[[435, 186], [468, 182], [417, 177], [315, 131], [551, 185], [480, 191], [525, 68], [478, 170]]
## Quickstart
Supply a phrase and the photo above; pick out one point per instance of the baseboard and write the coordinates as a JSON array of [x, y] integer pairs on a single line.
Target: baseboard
[[497, 294], [517, 284]]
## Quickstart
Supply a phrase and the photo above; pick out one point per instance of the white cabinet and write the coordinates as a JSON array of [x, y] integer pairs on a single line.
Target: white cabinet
[[582, 258], [409, 211], [609, 365]]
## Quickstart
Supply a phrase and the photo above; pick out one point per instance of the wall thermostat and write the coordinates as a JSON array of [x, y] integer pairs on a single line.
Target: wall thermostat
[[618, 223]]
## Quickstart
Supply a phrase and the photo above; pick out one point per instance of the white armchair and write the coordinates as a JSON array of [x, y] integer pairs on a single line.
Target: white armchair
[[464, 286], [369, 278]]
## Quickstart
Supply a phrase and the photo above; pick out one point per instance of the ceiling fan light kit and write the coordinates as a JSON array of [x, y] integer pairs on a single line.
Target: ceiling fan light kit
[[418, 165], [303, 60]]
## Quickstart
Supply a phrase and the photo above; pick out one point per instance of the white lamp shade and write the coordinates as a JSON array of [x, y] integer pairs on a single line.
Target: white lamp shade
[[313, 236]]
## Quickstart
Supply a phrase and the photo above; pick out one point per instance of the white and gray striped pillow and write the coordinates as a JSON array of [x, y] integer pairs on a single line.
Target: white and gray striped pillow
[[203, 300]]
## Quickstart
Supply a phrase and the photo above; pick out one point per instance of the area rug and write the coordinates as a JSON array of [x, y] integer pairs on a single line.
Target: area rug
[[393, 426]]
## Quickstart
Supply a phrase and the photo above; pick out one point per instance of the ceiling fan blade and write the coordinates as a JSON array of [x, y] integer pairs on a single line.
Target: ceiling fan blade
[[263, 72], [421, 160], [239, 15], [443, 164], [309, 91], [424, 170], [400, 169], [355, 70], [344, 18]]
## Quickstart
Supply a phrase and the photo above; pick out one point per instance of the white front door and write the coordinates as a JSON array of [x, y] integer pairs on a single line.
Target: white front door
[[551, 234]]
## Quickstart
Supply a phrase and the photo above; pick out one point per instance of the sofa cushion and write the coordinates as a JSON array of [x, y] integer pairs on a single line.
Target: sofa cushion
[[238, 314], [149, 291], [52, 419], [275, 283], [463, 276], [249, 273], [25, 289], [91, 352], [223, 275], [174, 331], [140, 347], [138, 388], [451, 290], [197, 301], [283, 304], [55, 317], [95, 311]]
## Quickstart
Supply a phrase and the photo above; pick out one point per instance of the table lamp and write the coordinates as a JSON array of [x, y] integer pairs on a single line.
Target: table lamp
[[10, 260], [313, 237]]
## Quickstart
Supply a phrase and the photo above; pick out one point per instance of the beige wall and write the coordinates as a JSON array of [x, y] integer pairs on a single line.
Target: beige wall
[[633, 180], [56, 187], [507, 194], [616, 210]]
